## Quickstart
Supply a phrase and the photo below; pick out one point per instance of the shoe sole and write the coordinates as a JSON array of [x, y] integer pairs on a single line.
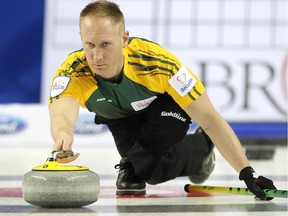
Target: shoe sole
[[129, 192]]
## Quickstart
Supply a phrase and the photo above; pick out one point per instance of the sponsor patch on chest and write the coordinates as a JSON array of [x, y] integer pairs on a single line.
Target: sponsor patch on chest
[[59, 85], [142, 104], [182, 81]]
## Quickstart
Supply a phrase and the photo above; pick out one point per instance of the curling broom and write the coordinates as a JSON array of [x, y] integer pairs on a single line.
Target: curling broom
[[232, 190]]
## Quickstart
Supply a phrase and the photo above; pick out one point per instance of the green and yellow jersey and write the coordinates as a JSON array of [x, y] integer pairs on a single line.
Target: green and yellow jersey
[[149, 71]]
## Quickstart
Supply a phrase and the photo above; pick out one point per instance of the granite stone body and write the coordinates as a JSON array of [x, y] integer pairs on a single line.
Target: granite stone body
[[61, 189]]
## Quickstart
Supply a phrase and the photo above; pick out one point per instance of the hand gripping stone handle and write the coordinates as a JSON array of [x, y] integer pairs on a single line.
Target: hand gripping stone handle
[[59, 154]]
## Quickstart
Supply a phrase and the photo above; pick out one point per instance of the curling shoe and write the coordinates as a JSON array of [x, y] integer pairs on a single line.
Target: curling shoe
[[208, 163], [127, 182]]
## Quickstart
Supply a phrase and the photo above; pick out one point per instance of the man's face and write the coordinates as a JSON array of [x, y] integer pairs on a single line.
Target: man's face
[[102, 43]]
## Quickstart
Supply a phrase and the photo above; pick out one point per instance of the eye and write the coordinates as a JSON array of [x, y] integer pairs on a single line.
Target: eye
[[90, 45], [105, 44]]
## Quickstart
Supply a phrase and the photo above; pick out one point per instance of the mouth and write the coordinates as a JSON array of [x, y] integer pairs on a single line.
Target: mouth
[[99, 65]]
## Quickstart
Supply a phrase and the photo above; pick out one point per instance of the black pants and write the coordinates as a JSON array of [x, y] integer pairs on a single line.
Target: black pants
[[156, 141]]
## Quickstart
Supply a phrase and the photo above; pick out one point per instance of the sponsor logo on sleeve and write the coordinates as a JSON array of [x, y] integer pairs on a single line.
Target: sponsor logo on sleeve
[[59, 84], [182, 81]]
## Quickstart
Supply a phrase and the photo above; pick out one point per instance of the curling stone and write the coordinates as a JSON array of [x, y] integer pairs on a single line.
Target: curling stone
[[52, 185]]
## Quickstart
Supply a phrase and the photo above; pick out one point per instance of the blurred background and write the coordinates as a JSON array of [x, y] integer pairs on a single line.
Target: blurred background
[[238, 49]]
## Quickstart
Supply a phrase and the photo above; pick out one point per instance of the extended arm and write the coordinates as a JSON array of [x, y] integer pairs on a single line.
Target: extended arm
[[223, 137], [63, 114], [204, 114]]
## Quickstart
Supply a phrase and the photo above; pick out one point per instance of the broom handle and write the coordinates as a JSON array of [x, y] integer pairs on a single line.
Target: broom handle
[[233, 190]]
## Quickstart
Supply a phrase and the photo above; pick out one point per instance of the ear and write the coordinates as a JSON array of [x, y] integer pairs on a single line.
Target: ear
[[125, 38]]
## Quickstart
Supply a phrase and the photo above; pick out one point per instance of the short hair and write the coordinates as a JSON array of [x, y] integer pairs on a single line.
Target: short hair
[[104, 8]]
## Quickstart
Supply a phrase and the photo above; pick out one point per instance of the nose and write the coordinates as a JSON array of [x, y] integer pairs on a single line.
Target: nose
[[97, 54]]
